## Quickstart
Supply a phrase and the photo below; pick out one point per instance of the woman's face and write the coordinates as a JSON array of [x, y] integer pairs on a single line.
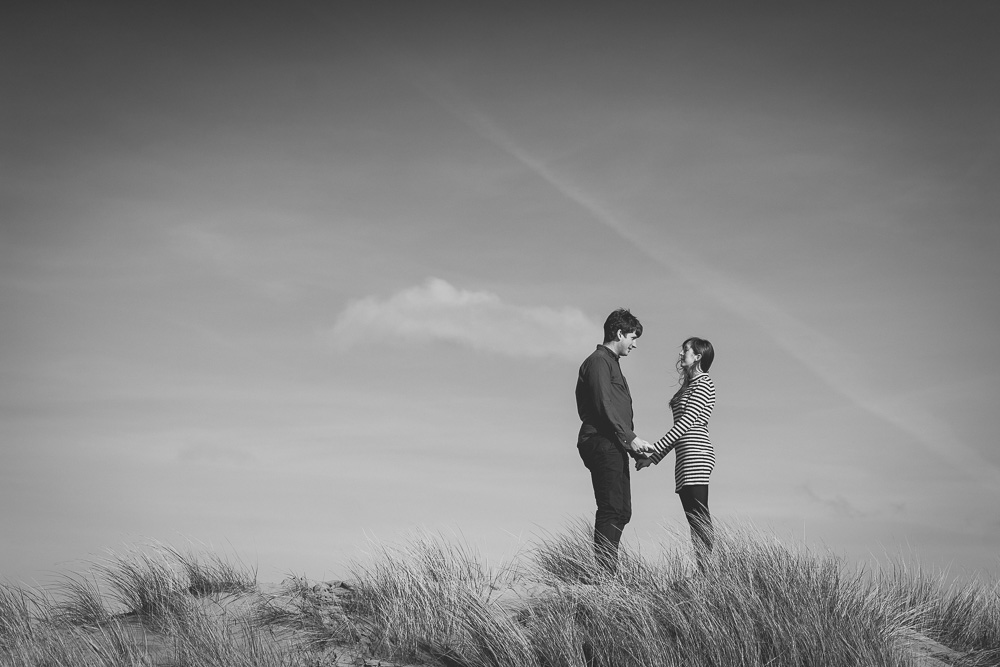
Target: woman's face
[[688, 358]]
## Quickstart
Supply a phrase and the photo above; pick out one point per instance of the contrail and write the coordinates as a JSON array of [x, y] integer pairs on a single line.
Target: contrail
[[830, 361]]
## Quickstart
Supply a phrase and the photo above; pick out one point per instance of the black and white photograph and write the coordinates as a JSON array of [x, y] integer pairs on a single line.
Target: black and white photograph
[[500, 334]]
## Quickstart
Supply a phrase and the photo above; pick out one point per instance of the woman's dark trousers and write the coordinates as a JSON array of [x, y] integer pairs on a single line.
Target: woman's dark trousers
[[609, 472]]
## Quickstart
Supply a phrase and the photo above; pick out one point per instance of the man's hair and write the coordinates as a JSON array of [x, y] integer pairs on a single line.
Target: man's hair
[[621, 319]]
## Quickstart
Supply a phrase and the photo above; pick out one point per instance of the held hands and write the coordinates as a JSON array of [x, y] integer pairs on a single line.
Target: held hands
[[640, 446], [643, 449]]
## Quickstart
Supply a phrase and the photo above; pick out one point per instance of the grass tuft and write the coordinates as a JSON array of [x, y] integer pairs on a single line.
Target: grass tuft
[[213, 574], [434, 601]]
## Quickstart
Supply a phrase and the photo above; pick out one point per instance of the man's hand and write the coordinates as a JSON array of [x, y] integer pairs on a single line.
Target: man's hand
[[640, 446], [643, 463]]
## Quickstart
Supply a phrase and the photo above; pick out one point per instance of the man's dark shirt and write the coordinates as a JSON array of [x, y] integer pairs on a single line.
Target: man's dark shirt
[[603, 399]]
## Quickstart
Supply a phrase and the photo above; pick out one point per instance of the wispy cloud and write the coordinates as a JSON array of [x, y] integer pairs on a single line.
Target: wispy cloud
[[831, 361], [249, 251], [439, 311], [838, 504]]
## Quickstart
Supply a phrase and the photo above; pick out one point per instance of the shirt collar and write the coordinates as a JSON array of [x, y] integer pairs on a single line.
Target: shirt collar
[[604, 347]]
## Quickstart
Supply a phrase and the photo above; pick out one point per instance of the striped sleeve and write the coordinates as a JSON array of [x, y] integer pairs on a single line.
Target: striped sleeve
[[697, 410]]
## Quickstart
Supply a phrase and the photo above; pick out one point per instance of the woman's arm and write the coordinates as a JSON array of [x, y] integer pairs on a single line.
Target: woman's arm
[[697, 410]]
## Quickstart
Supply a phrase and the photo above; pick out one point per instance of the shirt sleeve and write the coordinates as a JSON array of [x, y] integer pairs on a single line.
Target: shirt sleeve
[[608, 403], [697, 410]]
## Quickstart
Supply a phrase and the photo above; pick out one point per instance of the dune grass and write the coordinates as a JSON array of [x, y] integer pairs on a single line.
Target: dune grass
[[435, 601]]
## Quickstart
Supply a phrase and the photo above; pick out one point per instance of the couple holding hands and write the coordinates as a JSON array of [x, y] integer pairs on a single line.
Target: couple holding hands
[[607, 439]]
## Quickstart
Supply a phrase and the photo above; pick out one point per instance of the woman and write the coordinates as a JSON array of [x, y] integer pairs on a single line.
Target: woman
[[692, 407]]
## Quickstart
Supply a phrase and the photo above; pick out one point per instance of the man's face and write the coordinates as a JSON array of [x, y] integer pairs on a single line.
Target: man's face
[[626, 343]]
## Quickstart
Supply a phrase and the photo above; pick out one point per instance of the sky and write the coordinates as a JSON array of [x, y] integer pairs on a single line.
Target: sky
[[283, 282]]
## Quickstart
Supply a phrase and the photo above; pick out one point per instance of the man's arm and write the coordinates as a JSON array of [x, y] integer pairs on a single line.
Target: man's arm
[[601, 393]]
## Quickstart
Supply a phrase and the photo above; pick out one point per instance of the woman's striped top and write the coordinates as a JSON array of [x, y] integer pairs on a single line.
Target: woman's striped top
[[692, 409]]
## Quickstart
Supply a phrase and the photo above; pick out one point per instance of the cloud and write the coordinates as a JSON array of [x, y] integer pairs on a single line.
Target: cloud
[[438, 311], [831, 361], [838, 504], [213, 454]]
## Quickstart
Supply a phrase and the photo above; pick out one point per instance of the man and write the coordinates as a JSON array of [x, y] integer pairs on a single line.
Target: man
[[606, 437]]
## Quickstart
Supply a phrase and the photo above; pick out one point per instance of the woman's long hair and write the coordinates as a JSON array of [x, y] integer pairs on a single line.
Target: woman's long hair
[[698, 346]]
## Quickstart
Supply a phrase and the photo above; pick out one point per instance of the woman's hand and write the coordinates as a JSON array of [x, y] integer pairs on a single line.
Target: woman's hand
[[643, 463]]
